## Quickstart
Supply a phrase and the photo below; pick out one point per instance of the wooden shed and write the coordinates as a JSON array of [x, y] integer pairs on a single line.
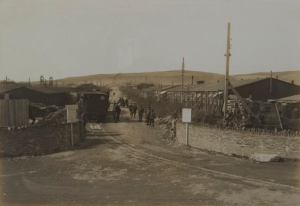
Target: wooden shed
[[44, 95], [14, 112]]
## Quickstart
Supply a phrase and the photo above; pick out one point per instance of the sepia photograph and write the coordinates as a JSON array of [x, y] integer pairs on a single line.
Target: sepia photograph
[[150, 102]]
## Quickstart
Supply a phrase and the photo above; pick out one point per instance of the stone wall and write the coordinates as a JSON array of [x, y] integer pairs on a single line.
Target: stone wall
[[39, 140], [240, 143]]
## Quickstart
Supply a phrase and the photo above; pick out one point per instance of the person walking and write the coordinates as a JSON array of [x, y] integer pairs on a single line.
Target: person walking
[[126, 102], [130, 107], [114, 112], [141, 112], [148, 111], [122, 102], [152, 117], [173, 128], [134, 109], [118, 111]]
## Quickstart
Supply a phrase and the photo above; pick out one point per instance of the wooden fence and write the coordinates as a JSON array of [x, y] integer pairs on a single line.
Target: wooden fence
[[14, 112]]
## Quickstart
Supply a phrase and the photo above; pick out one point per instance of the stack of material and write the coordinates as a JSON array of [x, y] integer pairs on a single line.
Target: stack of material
[[56, 117]]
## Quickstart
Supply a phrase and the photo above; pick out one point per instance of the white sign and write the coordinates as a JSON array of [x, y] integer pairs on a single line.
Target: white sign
[[71, 113], [186, 115]]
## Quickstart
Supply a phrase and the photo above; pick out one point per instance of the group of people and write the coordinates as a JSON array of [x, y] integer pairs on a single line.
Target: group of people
[[134, 110], [150, 114], [123, 102]]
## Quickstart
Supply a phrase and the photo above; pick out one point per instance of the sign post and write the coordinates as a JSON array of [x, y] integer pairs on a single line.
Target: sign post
[[187, 118], [71, 118]]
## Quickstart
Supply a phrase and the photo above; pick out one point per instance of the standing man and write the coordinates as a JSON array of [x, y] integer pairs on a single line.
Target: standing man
[[134, 109], [148, 111], [152, 117], [118, 111], [114, 112], [126, 102], [122, 102], [141, 112], [173, 127], [130, 107]]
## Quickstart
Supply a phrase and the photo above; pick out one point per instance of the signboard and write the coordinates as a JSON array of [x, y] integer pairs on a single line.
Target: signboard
[[186, 115], [71, 113]]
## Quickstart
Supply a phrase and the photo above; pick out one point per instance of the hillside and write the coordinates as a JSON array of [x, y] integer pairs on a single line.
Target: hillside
[[167, 77], [285, 76]]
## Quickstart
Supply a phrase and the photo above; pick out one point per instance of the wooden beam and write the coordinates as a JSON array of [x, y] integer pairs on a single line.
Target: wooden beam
[[278, 116], [241, 99]]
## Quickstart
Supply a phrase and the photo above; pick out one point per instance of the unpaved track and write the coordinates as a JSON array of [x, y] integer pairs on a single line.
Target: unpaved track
[[130, 164]]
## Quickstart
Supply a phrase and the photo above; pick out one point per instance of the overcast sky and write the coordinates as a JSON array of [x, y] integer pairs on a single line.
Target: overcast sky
[[62, 38]]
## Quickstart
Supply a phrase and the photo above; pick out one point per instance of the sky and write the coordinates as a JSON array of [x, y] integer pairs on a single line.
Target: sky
[[64, 38]]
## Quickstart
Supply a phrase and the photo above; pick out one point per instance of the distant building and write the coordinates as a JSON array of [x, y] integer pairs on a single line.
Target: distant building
[[200, 82]]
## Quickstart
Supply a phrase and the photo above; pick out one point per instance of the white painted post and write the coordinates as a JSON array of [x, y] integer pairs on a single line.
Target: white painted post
[[187, 118], [72, 138], [71, 118], [187, 134]]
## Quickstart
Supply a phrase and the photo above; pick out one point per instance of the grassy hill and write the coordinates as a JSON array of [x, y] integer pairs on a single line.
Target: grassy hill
[[166, 78], [285, 76], [173, 77]]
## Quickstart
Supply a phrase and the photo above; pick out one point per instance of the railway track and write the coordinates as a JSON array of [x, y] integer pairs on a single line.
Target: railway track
[[246, 180]]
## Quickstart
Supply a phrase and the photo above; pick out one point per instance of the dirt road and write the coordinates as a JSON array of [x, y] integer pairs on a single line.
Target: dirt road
[[129, 163]]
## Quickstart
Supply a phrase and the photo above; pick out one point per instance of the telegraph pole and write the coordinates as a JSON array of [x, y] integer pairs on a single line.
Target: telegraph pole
[[227, 70], [271, 76], [182, 72]]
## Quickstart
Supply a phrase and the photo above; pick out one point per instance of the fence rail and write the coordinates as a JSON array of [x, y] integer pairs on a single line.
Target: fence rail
[[14, 112]]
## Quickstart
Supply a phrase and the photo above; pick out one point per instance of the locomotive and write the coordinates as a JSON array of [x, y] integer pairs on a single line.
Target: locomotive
[[95, 106]]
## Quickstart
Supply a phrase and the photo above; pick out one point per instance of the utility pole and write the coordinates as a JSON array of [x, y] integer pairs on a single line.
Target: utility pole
[[271, 74], [182, 72], [227, 70]]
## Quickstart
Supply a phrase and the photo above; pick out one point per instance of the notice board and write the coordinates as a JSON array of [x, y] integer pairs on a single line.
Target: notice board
[[186, 115]]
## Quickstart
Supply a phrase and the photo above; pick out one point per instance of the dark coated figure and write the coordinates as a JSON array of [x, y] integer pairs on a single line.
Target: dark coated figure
[[141, 112], [134, 109], [130, 107], [116, 112], [148, 112], [152, 117]]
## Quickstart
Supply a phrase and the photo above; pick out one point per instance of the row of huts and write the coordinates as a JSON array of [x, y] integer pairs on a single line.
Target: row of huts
[[255, 89]]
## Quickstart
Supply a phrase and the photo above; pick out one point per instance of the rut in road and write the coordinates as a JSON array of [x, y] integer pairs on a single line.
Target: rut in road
[[247, 180]]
